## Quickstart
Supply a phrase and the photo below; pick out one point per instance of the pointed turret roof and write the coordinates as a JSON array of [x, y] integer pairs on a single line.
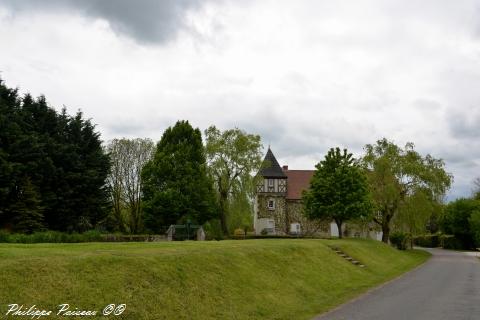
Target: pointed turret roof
[[270, 167]]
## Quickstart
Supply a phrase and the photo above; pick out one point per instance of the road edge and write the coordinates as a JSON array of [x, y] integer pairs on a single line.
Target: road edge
[[369, 291]]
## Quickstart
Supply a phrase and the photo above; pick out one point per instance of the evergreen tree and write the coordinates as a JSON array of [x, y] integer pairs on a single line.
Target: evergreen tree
[[27, 211], [176, 187], [62, 158]]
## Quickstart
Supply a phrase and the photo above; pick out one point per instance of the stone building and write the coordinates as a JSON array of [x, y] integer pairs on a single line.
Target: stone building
[[278, 201], [278, 205]]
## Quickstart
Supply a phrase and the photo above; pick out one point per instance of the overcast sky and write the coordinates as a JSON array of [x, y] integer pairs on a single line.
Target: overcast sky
[[305, 75]]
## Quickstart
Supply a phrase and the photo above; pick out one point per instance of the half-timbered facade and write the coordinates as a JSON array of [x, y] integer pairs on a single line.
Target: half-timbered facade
[[278, 201]]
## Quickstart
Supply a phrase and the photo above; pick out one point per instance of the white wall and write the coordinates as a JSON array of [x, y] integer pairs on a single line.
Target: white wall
[[263, 223], [333, 229]]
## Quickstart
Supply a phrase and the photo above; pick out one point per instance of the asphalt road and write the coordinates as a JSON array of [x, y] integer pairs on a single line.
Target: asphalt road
[[447, 286]]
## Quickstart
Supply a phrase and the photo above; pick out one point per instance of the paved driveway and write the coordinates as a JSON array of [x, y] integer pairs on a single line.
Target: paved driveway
[[446, 287]]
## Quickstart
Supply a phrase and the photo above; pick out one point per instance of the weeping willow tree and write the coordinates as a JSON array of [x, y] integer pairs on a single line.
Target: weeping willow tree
[[402, 180], [416, 213], [233, 157]]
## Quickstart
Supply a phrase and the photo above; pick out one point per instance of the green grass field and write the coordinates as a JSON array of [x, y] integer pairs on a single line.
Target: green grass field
[[250, 279]]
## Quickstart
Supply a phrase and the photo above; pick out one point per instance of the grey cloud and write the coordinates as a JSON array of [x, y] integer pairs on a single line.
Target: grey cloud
[[147, 21], [408, 72], [295, 137], [135, 127], [465, 124]]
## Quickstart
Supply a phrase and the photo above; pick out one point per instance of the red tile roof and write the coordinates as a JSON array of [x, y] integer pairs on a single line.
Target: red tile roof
[[298, 180]]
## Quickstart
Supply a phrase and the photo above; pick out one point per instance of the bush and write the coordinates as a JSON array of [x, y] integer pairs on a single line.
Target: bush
[[264, 232], [474, 223], [3, 236], [51, 237], [213, 230], [427, 240], [399, 239], [239, 233], [450, 242], [93, 236], [462, 220], [19, 238]]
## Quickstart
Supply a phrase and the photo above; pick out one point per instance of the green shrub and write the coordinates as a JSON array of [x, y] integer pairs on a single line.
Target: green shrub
[[4, 236], [239, 233], [20, 238], [474, 223], [450, 242], [213, 230], [51, 237], [399, 239], [92, 236], [47, 237], [463, 221], [427, 240]]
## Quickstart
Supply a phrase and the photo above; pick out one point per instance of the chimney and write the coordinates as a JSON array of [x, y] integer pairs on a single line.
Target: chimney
[[285, 168]]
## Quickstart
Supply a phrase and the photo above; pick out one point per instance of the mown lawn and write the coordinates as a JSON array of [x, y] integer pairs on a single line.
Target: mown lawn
[[250, 279]]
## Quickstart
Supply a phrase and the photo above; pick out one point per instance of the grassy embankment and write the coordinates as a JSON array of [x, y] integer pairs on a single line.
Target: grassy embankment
[[251, 279]]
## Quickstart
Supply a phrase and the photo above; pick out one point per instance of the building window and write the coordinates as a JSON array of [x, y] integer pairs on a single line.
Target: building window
[[270, 182], [271, 204]]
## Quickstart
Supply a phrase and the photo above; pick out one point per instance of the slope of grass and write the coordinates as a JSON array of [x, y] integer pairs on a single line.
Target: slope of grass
[[251, 279]]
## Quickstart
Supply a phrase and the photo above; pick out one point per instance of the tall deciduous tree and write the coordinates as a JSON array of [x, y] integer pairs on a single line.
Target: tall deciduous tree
[[116, 188], [338, 190], [394, 174], [128, 157], [176, 187], [233, 157]]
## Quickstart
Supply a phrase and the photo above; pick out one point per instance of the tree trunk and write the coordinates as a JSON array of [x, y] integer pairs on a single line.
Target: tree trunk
[[223, 214], [339, 226], [385, 231]]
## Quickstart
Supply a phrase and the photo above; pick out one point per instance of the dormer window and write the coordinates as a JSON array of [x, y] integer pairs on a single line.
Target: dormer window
[[271, 204]]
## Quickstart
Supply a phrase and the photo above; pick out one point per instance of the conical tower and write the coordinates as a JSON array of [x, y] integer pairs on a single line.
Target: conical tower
[[274, 179], [270, 196], [270, 167]]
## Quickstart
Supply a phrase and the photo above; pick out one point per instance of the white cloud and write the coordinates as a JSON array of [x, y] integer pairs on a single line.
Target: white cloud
[[306, 75]]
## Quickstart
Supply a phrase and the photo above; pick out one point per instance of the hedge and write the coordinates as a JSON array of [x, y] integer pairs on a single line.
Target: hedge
[[427, 241], [450, 242], [445, 241], [62, 237], [399, 239]]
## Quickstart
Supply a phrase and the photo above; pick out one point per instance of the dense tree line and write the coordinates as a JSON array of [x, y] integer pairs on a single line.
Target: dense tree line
[[55, 174], [390, 186], [461, 218], [52, 167]]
